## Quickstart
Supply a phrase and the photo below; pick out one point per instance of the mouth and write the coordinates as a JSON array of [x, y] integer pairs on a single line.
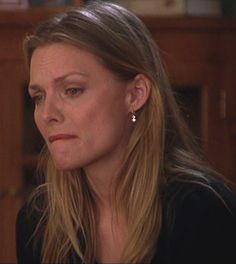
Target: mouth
[[57, 137]]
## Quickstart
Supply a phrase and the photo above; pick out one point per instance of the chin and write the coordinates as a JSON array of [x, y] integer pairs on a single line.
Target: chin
[[65, 166]]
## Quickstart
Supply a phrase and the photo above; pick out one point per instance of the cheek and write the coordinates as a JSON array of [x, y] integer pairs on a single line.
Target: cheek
[[106, 121], [38, 122]]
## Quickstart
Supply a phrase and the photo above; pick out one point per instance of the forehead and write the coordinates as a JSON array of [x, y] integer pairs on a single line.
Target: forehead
[[61, 56], [52, 61]]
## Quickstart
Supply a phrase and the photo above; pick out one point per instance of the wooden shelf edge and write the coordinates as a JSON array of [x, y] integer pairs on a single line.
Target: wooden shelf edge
[[33, 15]]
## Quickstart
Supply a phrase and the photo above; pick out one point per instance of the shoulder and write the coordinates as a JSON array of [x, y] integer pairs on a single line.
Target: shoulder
[[199, 222], [28, 242], [31, 212], [200, 195], [26, 216]]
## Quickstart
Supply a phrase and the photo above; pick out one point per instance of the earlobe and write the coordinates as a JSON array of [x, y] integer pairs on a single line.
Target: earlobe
[[138, 92]]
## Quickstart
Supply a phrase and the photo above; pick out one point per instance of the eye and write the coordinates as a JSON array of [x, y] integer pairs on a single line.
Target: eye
[[73, 91], [37, 99]]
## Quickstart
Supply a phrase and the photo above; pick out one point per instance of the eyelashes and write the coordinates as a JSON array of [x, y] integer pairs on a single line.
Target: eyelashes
[[74, 91], [70, 92], [37, 99]]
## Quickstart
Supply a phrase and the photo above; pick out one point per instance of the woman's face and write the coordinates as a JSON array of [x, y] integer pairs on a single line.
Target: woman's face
[[81, 107]]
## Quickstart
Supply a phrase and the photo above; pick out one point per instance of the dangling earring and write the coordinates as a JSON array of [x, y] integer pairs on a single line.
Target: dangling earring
[[133, 118]]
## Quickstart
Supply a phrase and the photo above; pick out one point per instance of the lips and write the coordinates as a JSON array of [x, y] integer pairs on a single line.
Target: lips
[[61, 137]]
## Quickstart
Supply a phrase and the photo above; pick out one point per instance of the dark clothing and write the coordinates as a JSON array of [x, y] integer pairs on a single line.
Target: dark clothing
[[198, 227]]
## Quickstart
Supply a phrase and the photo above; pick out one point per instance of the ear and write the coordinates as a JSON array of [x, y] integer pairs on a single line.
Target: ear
[[138, 92]]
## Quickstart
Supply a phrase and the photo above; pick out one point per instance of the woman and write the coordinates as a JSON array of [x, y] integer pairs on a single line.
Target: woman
[[123, 183]]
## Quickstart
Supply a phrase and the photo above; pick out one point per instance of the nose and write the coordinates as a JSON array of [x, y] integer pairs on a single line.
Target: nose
[[52, 110]]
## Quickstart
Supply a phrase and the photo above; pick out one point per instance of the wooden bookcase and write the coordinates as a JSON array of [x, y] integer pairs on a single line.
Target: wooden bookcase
[[200, 58]]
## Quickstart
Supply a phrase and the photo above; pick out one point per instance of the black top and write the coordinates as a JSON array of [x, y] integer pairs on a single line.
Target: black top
[[202, 229]]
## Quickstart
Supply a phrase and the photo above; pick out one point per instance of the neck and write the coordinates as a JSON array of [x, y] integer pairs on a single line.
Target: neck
[[102, 179], [111, 225]]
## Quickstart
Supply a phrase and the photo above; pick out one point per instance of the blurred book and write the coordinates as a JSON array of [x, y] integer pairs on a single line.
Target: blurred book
[[203, 7], [13, 4], [173, 7], [50, 3], [155, 7]]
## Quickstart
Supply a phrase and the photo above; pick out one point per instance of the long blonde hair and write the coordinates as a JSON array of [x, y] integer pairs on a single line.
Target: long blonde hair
[[160, 149]]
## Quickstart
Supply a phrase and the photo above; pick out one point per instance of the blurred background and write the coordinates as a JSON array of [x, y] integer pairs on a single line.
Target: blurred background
[[197, 39]]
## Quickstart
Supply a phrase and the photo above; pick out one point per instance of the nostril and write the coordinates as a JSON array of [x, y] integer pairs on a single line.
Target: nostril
[[52, 113]]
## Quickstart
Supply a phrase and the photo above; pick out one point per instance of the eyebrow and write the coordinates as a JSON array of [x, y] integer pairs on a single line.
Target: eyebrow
[[32, 87]]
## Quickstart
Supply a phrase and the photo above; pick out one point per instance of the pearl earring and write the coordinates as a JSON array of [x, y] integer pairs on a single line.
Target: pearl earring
[[133, 118]]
